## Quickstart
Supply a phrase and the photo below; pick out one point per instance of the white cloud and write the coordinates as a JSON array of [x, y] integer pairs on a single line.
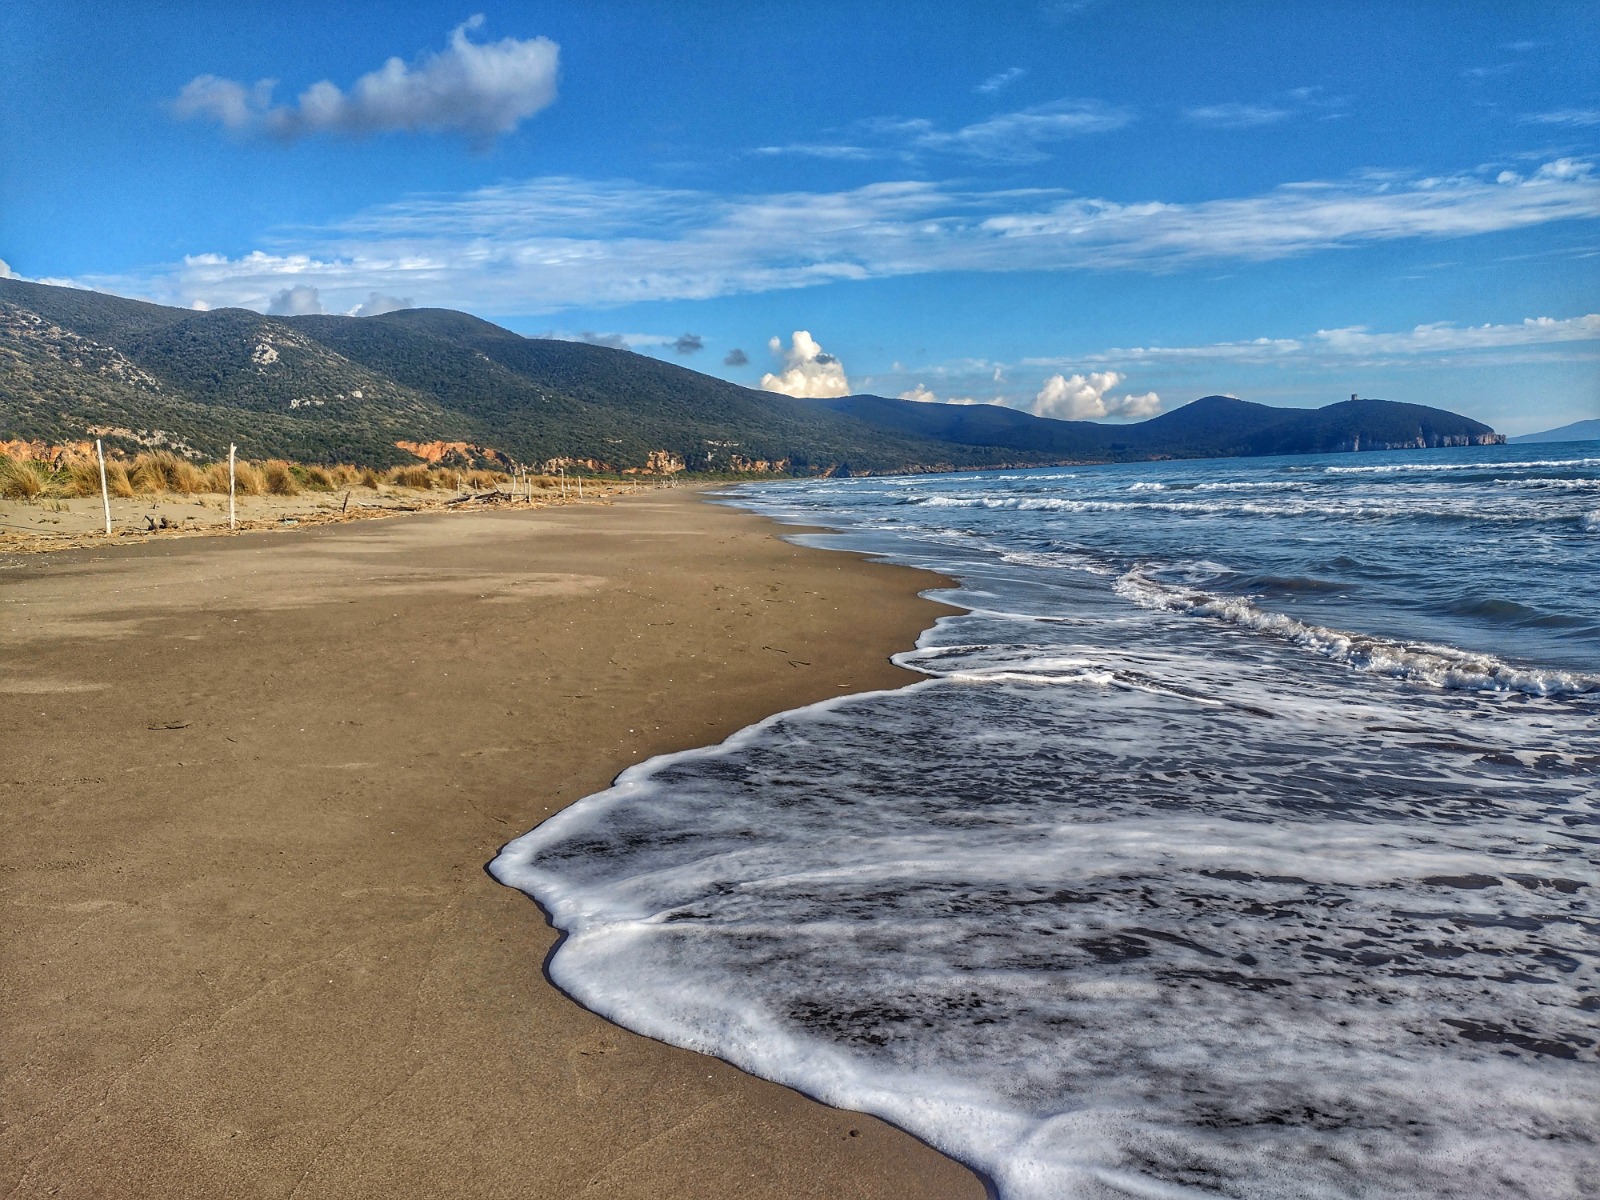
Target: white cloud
[[1013, 136], [808, 370], [1088, 397], [5, 270], [1001, 80], [1137, 408], [1238, 116], [1434, 339], [1006, 137], [1284, 106], [820, 150], [299, 301], [1583, 117], [375, 305], [1443, 336], [479, 89], [554, 243], [920, 393]]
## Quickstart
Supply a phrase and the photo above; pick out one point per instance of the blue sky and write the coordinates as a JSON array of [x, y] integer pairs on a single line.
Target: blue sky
[[1084, 209]]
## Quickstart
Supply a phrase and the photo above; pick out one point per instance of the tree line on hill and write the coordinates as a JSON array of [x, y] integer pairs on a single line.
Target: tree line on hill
[[77, 364]]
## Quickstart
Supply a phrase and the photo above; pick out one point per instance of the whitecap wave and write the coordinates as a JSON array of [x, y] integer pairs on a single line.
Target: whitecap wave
[[1531, 464], [1419, 662]]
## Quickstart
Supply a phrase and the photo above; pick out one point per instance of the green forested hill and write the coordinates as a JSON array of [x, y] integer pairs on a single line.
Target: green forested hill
[[77, 364]]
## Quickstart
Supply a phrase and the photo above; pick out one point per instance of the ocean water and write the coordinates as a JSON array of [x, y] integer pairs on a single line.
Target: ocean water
[[1240, 840]]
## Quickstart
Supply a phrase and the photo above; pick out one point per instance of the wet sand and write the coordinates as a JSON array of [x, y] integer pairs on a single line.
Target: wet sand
[[250, 784]]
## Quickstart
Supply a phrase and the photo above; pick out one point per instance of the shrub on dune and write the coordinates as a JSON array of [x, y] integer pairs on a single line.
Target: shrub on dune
[[117, 481], [185, 478], [278, 479], [163, 471], [412, 477], [20, 480], [247, 480], [81, 477], [148, 473]]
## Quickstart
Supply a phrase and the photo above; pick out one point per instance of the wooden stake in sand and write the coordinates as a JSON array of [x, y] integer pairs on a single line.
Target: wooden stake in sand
[[580, 487], [232, 521], [105, 492]]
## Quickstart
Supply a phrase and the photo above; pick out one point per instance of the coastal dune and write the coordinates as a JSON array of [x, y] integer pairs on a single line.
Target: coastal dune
[[250, 784]]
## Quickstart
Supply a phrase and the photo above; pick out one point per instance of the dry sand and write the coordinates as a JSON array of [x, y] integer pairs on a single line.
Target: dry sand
[[250, 784]]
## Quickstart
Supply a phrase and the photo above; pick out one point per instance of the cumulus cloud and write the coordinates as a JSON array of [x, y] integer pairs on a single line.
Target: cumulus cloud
[[689, 343], [1088, 397], [807, 369], [736, 358], [376, 305], [478, 89], [301, 300], [920, 393]]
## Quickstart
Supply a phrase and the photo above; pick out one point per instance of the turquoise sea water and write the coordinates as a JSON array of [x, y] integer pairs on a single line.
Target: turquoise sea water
[[1241, 839]]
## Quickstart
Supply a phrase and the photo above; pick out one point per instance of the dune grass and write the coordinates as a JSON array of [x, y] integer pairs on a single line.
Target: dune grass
[[163, 473]]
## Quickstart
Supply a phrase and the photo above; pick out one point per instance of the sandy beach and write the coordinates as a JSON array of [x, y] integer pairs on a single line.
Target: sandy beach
[[251, 783]]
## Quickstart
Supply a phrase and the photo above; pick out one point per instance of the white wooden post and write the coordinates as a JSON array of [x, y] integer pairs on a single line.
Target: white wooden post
[[105, 492], [232, 521], [580, 487]]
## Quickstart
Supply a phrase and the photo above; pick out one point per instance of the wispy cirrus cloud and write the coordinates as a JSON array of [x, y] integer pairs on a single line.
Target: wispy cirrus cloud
[[1579, 117], [553, 243], [1284, 106], [1001, 80], [1430, 341], [1238, 116], [1023, 136], [479, 89]]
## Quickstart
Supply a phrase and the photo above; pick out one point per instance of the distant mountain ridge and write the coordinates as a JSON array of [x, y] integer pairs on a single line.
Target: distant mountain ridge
[[77, 364], [1578, 431]]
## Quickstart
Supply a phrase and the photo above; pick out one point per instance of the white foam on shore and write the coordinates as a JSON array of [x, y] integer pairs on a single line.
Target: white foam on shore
[[1109, 923]]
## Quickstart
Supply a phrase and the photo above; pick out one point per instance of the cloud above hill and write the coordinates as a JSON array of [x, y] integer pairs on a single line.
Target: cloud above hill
[[1088, 398], [807, 369], [376, 305], [477, 89], [302, 300]]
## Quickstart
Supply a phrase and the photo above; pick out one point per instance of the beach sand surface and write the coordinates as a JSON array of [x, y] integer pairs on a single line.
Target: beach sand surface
[[250, 784]]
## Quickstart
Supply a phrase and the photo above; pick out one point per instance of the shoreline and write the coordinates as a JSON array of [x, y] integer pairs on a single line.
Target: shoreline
[[254, 948]]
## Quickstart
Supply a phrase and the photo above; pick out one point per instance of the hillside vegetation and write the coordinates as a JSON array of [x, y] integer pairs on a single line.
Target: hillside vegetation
[[76, 365]]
